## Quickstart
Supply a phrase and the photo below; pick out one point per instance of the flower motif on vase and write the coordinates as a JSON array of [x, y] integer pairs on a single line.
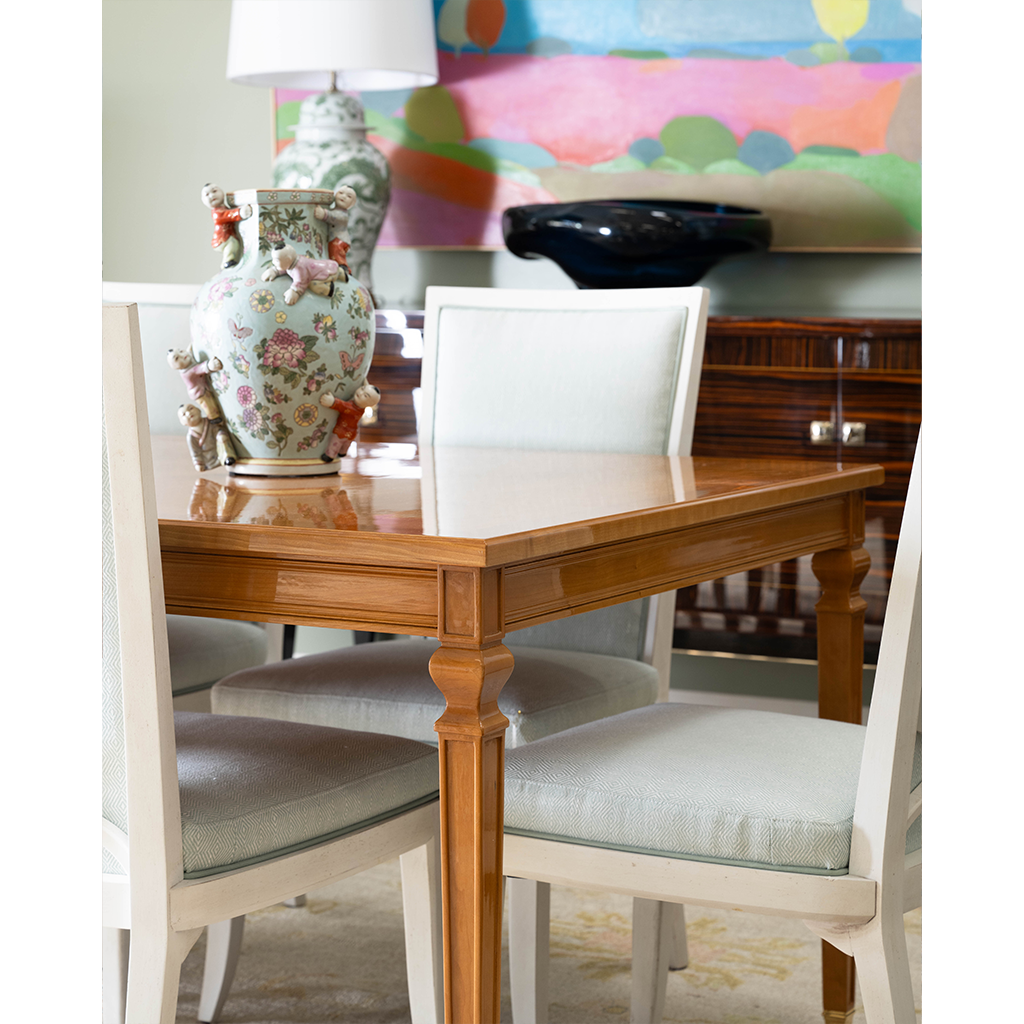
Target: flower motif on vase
[[240, 363], [246, 396], [275, 396], [259, 422], [323, 323], [318, 380], [219, 291], [306, 414], [286, 354], [280, 316], [262, 300], [361, 305], [313, 440], [359, 335], [220, 382], [277, 223], [250, 282]]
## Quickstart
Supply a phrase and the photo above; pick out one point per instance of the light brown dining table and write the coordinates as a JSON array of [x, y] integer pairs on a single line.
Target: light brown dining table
[[469, 544]]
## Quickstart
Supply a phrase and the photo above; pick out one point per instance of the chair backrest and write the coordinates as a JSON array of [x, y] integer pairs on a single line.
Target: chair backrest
[[164, 311], [605, 370], [140, 771], [880, 817]]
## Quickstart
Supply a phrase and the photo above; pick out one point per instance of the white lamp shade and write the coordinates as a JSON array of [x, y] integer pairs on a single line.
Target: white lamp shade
[[372, 44]]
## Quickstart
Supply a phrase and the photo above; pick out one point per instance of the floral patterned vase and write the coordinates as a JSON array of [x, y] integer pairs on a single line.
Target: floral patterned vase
[[277, 359], [330, 149]]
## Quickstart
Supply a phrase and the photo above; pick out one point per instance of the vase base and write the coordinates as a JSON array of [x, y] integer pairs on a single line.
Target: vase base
[[284, 467]]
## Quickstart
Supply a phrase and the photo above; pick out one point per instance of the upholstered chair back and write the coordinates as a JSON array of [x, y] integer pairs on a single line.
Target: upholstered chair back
[[554, 370]]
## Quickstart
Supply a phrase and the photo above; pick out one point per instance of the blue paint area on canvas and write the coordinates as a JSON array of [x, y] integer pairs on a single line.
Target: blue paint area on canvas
[[748, 28]]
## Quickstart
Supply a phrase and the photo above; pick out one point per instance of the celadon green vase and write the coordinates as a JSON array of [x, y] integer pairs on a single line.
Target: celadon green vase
[[279, 358]]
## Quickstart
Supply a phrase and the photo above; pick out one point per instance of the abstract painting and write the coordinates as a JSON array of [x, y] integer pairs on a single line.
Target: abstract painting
[[809, 110]]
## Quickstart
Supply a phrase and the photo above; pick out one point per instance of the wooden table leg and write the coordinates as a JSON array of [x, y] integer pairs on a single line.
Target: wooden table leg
[[470, 669], [840, 697]]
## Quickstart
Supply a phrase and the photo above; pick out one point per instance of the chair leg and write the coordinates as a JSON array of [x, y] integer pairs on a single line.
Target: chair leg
[[223, 945], [652, 942], [529, 936], [424, 952], [678, 952], [883, 969], [154, 970], [115, 974], [296, 901]]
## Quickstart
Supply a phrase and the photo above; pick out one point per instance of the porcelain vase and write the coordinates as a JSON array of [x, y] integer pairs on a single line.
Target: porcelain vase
[[330, 149], [279, 358]]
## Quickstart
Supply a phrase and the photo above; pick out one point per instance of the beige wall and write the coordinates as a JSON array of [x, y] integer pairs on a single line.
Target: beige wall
[[172, 122]]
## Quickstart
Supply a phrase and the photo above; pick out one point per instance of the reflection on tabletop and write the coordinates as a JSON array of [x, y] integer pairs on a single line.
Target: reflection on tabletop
[[456, 492]]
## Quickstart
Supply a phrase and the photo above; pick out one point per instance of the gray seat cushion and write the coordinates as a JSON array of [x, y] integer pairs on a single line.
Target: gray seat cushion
[[253, 789], [205, 650], [725, 785], [386, 687]]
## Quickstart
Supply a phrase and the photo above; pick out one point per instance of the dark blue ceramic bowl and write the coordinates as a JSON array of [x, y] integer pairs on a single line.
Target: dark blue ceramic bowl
[[635, 243]]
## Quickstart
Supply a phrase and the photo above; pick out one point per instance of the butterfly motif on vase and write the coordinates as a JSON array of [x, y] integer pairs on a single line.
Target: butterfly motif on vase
[[350, 366], [239, 333]]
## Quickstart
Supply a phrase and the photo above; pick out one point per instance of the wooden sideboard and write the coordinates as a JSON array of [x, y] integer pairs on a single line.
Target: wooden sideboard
[[764, 383]]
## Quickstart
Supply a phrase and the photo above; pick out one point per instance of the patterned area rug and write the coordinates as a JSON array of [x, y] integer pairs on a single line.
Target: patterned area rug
[[342, 958]]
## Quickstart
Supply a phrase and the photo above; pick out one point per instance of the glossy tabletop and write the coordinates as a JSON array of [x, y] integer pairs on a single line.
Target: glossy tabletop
[[468, 544]]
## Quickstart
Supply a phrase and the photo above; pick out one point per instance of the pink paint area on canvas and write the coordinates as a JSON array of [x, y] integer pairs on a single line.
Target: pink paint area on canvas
[[587, 109]]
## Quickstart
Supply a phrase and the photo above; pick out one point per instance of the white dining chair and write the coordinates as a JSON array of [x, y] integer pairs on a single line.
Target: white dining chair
[[748, 810], [542, 370], [202, 650], [207, 818]]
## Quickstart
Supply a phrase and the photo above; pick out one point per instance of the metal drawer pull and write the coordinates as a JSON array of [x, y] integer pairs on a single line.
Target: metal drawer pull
[[824, 432]]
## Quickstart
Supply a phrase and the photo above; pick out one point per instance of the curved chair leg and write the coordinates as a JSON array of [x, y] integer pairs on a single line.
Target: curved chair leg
[[154, 970], [529, 934], [115, 974], [678, 953], [223, 944], [883, 969], [652, 942], [424, 955]]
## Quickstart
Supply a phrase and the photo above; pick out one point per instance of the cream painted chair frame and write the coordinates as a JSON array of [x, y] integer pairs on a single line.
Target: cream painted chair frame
[[163, 912], [860, 913], [529, 898], [175, 302]]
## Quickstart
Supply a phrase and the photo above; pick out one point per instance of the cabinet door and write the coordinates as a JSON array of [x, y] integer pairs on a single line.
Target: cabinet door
[[769, 388]]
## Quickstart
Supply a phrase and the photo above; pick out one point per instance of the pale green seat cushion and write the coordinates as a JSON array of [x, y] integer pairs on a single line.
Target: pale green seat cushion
[[386, 687], [725, 785], [253, 789], [205, 650]]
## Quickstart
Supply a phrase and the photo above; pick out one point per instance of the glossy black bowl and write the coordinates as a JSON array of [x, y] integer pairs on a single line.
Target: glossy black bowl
[[635, 243]]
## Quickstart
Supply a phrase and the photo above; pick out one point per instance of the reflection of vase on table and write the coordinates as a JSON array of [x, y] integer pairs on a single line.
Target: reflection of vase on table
[[282, 341]]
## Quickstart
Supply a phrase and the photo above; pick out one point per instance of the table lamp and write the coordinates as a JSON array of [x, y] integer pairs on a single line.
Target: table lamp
[[339, 45]]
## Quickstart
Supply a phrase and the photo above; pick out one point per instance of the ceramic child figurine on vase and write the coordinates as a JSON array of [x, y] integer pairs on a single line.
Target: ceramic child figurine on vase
[[195, 377], [274, 331], [337, 218], [349, 415], [224, 220]]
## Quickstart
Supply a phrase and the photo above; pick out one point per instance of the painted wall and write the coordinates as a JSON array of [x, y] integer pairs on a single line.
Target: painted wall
[[172, 122]]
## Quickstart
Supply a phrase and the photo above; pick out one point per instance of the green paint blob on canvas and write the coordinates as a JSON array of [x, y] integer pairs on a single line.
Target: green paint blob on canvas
[[639, 54], [698, 141], [432, 114], [893, 178]]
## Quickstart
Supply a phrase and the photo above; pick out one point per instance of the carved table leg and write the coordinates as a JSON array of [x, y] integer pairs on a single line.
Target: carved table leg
[[470, 669], [840, 696]]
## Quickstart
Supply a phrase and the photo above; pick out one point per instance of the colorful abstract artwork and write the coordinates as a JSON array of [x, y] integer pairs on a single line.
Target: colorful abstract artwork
[[809, 110]]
